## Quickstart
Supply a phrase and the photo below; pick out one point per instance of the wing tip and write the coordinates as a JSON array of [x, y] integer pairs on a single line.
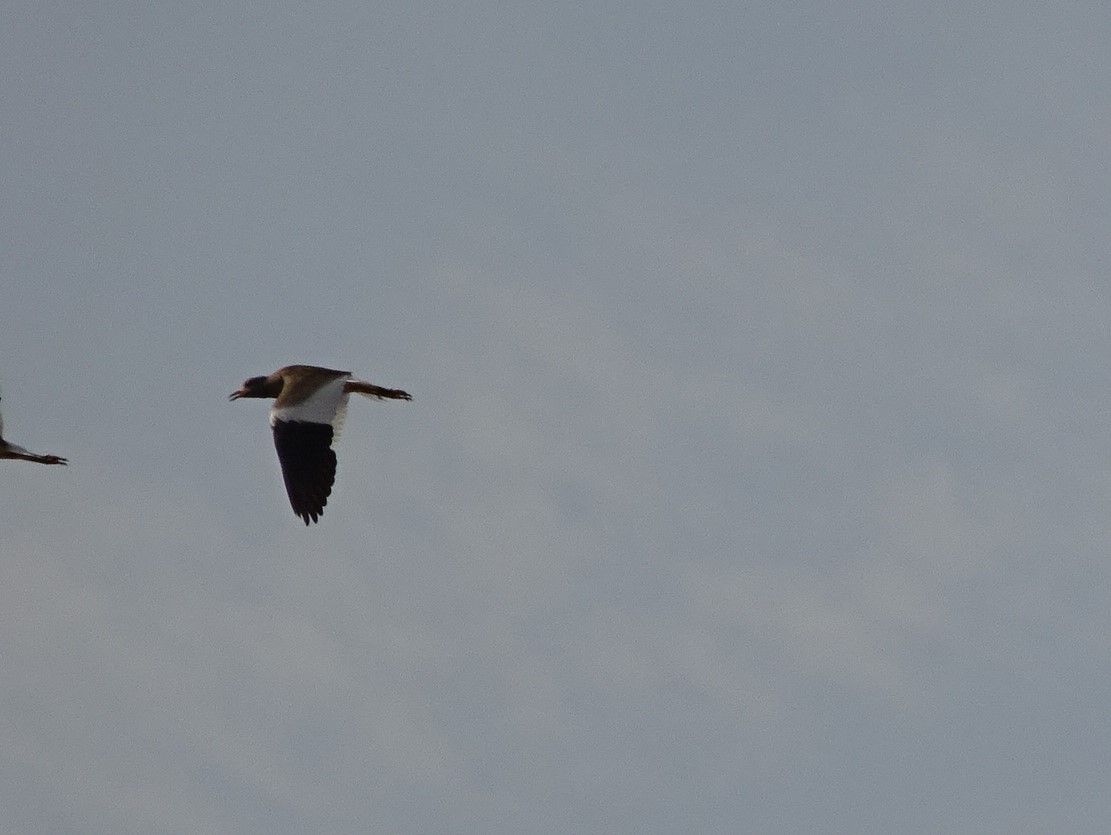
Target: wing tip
[[309, 517]]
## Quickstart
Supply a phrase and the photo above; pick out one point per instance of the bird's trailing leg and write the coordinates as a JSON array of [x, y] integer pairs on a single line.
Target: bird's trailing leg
[[24, 455], [371, 390]]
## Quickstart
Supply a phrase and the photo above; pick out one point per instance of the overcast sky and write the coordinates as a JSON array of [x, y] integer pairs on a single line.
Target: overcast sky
[[757, 474]]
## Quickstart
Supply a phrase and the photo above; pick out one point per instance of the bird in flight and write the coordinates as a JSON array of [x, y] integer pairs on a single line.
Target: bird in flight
[[306, 417], [9, 450]]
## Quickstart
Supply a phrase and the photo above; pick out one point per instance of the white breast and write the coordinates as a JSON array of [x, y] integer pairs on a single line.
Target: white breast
[[323, 406]]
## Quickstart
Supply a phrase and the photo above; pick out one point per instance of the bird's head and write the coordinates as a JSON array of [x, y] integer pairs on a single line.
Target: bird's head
[[254, 387]]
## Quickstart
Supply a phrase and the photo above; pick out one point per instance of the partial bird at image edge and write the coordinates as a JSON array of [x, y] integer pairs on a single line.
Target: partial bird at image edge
[[10, 450]]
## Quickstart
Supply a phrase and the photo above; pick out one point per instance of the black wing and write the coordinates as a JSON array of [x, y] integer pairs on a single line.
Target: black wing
[[308, 465]]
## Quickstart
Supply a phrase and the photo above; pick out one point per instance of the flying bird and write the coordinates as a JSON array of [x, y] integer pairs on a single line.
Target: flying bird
[[306, 417], [9, 450]]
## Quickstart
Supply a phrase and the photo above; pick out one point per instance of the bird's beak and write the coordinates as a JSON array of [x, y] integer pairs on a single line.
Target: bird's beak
[[235, 395]]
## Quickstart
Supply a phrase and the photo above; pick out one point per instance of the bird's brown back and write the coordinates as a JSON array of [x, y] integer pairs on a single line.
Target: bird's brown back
[[299, 382]]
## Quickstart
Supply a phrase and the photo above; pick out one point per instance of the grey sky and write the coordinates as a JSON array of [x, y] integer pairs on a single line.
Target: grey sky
[[756, 476]]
